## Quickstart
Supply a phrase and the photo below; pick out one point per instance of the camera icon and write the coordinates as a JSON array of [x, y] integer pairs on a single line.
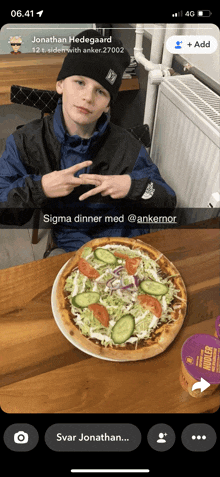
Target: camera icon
[[20, 437]]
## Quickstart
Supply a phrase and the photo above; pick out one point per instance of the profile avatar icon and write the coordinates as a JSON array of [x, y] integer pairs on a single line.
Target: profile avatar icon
[[15, 42], [178, 45], [161, 439]]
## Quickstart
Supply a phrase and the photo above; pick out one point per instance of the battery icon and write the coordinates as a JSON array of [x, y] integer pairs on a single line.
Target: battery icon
[[204, 13]]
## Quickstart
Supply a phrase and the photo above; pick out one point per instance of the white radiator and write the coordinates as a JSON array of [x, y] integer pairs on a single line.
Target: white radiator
[[186, 140]]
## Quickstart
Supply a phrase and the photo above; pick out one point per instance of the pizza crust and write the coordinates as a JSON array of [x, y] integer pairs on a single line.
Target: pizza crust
[[162, 337]]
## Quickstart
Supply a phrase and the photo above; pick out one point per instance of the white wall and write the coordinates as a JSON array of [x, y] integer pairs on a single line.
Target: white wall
[[209, 63]]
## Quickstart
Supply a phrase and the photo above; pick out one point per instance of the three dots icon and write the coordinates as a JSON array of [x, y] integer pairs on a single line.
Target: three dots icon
[[198, 437]]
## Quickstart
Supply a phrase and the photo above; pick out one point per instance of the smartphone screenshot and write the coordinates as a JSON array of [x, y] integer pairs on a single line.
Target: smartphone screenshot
[[109, 243]]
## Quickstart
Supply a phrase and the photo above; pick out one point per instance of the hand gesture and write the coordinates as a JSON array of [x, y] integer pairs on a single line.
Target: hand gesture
[[115, 186], [62, 183]]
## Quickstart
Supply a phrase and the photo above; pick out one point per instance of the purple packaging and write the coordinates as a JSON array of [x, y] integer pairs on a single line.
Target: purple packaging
[[200, 359], [217, 327]]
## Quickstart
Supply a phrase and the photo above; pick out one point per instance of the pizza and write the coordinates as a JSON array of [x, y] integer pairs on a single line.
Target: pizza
[[121, 299]]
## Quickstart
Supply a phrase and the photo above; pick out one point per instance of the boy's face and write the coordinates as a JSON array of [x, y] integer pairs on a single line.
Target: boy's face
[[84, 99]]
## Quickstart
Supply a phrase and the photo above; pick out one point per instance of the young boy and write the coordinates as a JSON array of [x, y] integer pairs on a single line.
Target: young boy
[[59, 162]]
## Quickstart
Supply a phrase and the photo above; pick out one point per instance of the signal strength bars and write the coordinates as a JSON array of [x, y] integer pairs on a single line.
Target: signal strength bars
[[178, 14]]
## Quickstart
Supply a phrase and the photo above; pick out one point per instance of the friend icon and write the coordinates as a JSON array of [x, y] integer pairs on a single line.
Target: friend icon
[[178, 45], [161, 439]]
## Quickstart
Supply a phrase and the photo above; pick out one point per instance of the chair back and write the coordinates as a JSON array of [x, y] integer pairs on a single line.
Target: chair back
[[43, 100]]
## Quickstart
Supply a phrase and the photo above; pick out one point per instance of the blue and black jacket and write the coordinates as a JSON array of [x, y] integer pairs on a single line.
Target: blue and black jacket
[[44, 145]]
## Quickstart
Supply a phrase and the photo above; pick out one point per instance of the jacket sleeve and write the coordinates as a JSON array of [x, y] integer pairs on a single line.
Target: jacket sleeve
[[147, 185], [18, 189]]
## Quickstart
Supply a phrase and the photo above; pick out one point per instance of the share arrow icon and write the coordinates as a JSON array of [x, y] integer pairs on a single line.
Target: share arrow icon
[[202, 384]]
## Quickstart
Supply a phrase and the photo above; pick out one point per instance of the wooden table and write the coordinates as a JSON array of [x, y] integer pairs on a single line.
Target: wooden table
[[38, 70], [43, 372]]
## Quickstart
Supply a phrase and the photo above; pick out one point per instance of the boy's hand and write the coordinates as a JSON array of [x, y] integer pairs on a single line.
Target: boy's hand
[[115, 186], [61, 183]]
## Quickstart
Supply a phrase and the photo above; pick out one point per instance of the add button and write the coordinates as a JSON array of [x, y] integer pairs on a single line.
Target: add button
[[191, 44]]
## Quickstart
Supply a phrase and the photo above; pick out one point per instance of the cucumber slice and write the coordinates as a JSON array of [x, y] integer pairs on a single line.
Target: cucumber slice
[[105, 256], [85, 299], [153, 288], [123, 329]]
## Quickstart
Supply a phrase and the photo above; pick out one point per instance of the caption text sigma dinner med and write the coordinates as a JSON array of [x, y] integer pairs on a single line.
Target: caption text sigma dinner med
[[132, 218]]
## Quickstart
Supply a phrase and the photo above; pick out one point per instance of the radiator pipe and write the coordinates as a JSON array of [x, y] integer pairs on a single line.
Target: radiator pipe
[[167, 58], [138, 50], [152, 65], [156, 67]]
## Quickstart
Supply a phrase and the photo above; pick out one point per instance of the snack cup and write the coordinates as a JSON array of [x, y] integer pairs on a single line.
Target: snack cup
[[217, 327], [200, 356]]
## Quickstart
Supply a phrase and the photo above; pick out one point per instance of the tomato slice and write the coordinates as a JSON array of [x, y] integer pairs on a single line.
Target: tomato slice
[[150, 303], [101, 313], [120, 255], [86, 269], [131, 265]]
